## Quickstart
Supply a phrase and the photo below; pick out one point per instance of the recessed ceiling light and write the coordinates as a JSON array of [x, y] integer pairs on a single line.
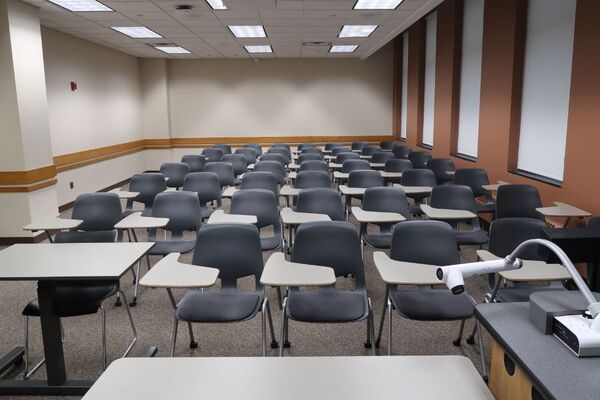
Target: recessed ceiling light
[[259, 49], [172, 49], [136, 32], [343, 48], [377, 4], [81, 5], [217, 4], [247, 31], [357, 30]]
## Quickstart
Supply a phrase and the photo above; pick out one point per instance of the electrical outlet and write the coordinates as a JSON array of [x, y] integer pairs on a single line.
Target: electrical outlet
[[71, 186]]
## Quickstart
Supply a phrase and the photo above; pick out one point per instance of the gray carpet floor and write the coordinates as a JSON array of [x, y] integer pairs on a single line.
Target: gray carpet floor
[[153, 317]]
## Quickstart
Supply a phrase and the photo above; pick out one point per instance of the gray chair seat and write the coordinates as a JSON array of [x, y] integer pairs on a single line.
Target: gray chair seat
[[77, 299], [164, 247], [327, 305], [85, 237], [432, 305], [471, 237], [521, 292], [378, 241], [270, 242], [221, 306]]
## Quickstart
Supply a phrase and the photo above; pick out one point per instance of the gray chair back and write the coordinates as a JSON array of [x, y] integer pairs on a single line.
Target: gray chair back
[[365, 178], [176, 172], [260, 180], [387, 144], [401, 151], [181, 208], [224, 171], [507, 233], [358, 145], [309, 157], [213, 154], [339, 150], [440, 167], [355, 165], [518, 201], [311, 150], [343, 157], [303, 146], [282, 145], [382, 157], [332, 145], [369, 150], [397, 165], [260, 202], [273, 167], [277, 157], [386, 199], [225, 147], [99, 212], [148, 185], [455, 197], [312, 179], [314, 165], [206, 184], [238, 162], [285, 153], [321, 201], [424, 242], [248, 153], [474, 178], [419, 159], [418, 177], [234, 249], [256, 147], [194, 162]]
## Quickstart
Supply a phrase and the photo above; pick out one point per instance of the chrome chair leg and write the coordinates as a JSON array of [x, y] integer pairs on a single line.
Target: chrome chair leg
[[279, 301], [136, 276], [283, 330], [481, 351], [371, 325], [457, 341], [389, 311], [27, 374], [134, 340], [263, 330], [174, 338], [103, 311], [385, 303]]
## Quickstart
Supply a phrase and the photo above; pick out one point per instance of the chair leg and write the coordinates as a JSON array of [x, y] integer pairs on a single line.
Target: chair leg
[[471, 337], [27, 374], [103, 312], [135, 288], [263, 328], [378, 340], [481, 352], [389, 311], [274, 343], [457, 341], [283, 330], [134, 340], [279, 301], [371, 325], [174, 338]]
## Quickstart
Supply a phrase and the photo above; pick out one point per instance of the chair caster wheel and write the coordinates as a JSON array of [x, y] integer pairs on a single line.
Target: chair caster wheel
[[377, 343], [274, 345], [133, 303], [471, 340], [193, 345], [368, 345], [456, 342], [118, 303], [287, 344]]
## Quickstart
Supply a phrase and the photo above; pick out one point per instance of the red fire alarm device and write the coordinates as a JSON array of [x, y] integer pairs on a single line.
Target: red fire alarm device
[[73, 86]]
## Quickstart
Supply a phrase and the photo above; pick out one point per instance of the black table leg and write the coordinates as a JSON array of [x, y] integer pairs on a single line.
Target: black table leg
[[53, 349]]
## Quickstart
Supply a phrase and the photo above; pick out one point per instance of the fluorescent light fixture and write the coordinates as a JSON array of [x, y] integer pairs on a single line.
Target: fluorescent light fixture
[[81, 5], [357, 30], [259, 49], [217, 4], [247, 31], [377, 4], [136, 32], [172, 49], [343, 48]]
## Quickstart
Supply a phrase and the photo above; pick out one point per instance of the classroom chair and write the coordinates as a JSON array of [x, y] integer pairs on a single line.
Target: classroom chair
[[206, 185], [194, 162], [418, 177], [148, 185], [260, 180], [381, 157], [264, 204], [303, 146], [224, 171], [358, 145], [419, 159], [285, 153], [332, 145], [314, 165], [338, 150], [518, 201], [440, 167], [174, 173], [238, 162], [281, 159], [397, 165], [273, 167], [312, 179], [249, 153], [369, 150], [354, 164], [475, 178], [225, 147], [387, 144], [309, 157], [213, 154], [256, 147], [383, 199], [343, 157], [401, 151], [321, 201], [312, 150]]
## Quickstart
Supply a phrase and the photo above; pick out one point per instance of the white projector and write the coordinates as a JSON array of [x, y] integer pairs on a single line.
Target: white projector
[[576, 332]]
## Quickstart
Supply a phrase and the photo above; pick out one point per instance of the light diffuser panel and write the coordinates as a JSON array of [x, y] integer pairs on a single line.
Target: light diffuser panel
[[343, 48], [217, 4], [377, 4], [247, 31], [357, 30], [259, 49], [81, 5], [136, 32], [172, 49]]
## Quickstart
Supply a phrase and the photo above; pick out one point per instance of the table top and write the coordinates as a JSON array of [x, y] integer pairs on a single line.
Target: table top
[[123, 194], [170, 273], [294, 166], [365, 157], [250, 166], [554, 370], [229, 191], [443, 213], [376, 216], [67, 261], [530, 271], [389, 174], [377, 165], [292, 175], [352, 191], [219, 217], [280, 272], [291, 217], [563, 210], [287, 190], [340, 175], [414, 189], [292, 378], [494, 186], [137, 221], [333, 165], [52, 223], [404, 273]]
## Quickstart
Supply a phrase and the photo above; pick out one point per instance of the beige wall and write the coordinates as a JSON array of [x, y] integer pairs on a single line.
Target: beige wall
[[281, 97]]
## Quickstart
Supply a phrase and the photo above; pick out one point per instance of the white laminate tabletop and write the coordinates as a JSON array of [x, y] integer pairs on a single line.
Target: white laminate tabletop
[[280, 272], [357, 150], [229, 191], [494, 186], [333, 165], [170, 273], [563, 210], [291, 217], [352, 191], [340, 175], [365, 157], [291, 378], [52, 224], [288, 190], [123, 194], [137, 221], [388, 174], [375, 217], [292, 175], [377, 165], [294, 166], [444, 213], [219, 217], [329, 157], [530, 271], [63, 261], [414, 189], [250, 166], [404, 273]]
